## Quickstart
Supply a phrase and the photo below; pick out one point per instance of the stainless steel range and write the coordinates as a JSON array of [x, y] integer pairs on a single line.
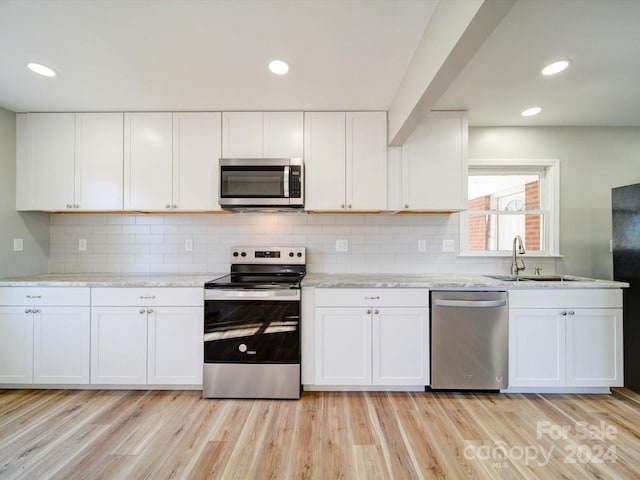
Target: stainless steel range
[[252, 325]]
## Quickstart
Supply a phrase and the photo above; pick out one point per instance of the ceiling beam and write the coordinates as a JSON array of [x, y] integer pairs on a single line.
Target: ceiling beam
[[455, 32]]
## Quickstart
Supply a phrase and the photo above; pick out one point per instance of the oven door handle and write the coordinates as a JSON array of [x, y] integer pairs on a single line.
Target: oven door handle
[[277, 294]]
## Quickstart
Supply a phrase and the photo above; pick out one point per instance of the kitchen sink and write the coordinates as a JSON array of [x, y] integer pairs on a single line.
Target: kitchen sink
[[532, 278]]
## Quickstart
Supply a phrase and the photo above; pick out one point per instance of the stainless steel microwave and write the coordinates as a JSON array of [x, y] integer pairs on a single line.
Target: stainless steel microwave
[[261, 182]]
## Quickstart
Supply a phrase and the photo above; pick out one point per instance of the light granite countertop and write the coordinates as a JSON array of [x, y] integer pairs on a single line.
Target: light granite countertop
[[447, 282], [109, 280], [319, 280]]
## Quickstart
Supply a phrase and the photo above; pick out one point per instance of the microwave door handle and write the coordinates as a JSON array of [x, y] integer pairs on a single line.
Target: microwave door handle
[[286, 181]]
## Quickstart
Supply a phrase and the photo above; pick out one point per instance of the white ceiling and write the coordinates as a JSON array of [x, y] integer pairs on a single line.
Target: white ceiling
[[154, 55]]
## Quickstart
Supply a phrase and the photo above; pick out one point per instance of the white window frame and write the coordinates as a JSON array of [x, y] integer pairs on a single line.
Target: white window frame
[[549, 170]]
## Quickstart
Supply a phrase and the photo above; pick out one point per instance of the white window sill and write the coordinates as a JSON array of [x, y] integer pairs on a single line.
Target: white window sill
[[505, 254]]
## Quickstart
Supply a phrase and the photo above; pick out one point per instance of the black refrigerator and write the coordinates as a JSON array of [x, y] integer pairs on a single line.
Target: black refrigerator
[[625, 202]]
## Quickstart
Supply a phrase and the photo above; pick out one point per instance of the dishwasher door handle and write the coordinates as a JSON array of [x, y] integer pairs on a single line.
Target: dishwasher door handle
[[470, 303]]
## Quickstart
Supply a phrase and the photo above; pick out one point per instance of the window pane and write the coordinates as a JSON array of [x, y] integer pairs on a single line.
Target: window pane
[[495, 232], [504, 192]]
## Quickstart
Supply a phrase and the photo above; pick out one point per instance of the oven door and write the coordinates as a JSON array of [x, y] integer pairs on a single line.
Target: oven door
[[252, 326]]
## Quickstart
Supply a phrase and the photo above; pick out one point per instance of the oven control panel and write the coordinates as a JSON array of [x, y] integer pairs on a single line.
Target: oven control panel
[[269, 255]]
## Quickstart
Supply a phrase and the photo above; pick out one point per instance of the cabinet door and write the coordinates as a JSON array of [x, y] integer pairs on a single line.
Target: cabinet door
[[282, 135], [594, 347], [343, 346], [434, 164], [324, 152], [118, 345], [536, 348], [242, 135], [61, 345], [45, 161], [196, 151], [16, 345], [99, 160], [366, 160], [400, 346], [175, 345], [148, 168]]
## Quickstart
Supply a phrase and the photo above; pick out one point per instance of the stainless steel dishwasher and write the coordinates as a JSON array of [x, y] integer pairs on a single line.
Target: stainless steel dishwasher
[[469, 340]]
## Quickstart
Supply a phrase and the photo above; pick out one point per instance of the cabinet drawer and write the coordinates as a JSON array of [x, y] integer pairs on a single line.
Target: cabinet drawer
[[565, 298], [50, 296], [147, 296], [377, 297]]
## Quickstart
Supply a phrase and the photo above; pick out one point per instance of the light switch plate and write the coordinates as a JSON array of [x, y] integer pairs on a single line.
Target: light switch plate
[[82, 244], [188, 245], [18, 244], [422, 246], [342, 245]]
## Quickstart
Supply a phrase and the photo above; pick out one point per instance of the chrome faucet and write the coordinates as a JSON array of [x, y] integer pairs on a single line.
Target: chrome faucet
[[518, 247]]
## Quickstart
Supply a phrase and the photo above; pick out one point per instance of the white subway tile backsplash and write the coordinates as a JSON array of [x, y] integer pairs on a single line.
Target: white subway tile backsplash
[[155, 243]]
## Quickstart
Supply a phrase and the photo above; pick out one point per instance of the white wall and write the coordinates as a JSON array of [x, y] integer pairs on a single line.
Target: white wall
[[33, 228], [592, 161]]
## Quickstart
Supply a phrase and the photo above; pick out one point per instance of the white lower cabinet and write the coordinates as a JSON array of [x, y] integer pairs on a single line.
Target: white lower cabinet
[[371, 337], [565, 338], [44, 335], [148, 339], [16, 345]]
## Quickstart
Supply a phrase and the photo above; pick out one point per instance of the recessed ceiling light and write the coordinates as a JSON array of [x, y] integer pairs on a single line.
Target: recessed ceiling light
[[278, 67], [555, 67], [42, 69], [529, 112]]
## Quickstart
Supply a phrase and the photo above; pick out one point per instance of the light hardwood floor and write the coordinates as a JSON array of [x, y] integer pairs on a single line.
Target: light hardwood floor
[[67, 434]]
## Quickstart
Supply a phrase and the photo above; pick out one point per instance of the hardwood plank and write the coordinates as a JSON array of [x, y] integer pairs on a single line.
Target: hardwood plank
[[65, 434]]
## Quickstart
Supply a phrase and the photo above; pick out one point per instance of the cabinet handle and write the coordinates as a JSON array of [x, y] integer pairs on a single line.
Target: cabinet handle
[[369, 311], [35, 310], [372, 298], [571, 312], [342, 205], [167, 206], [27, 310], [142, 310], [76, 206], [376, 312], [147, 297], [563, 313], [69, 205], [34, 296], [349, 206], [406, 205], [174, 206], [150, 310]]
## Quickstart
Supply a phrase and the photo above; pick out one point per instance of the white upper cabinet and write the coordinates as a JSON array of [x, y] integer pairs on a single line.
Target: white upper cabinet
[[262, 134], [148, 161], [324, 146], [196, 150], [346, 161], [98, 172], [171, 161], [434, 164], [69, 161]]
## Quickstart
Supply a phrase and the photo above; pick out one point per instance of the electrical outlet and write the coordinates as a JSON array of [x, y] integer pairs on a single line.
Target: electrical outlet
[[82, 245], [422, 246], [18, 244], [188, 245], [342, 245], [448, 246]]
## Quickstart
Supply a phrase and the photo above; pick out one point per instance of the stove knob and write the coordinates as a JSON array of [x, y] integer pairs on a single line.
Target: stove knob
[[291, 254], [243, 254], [242, 347], [299, 254], [235, 254]]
